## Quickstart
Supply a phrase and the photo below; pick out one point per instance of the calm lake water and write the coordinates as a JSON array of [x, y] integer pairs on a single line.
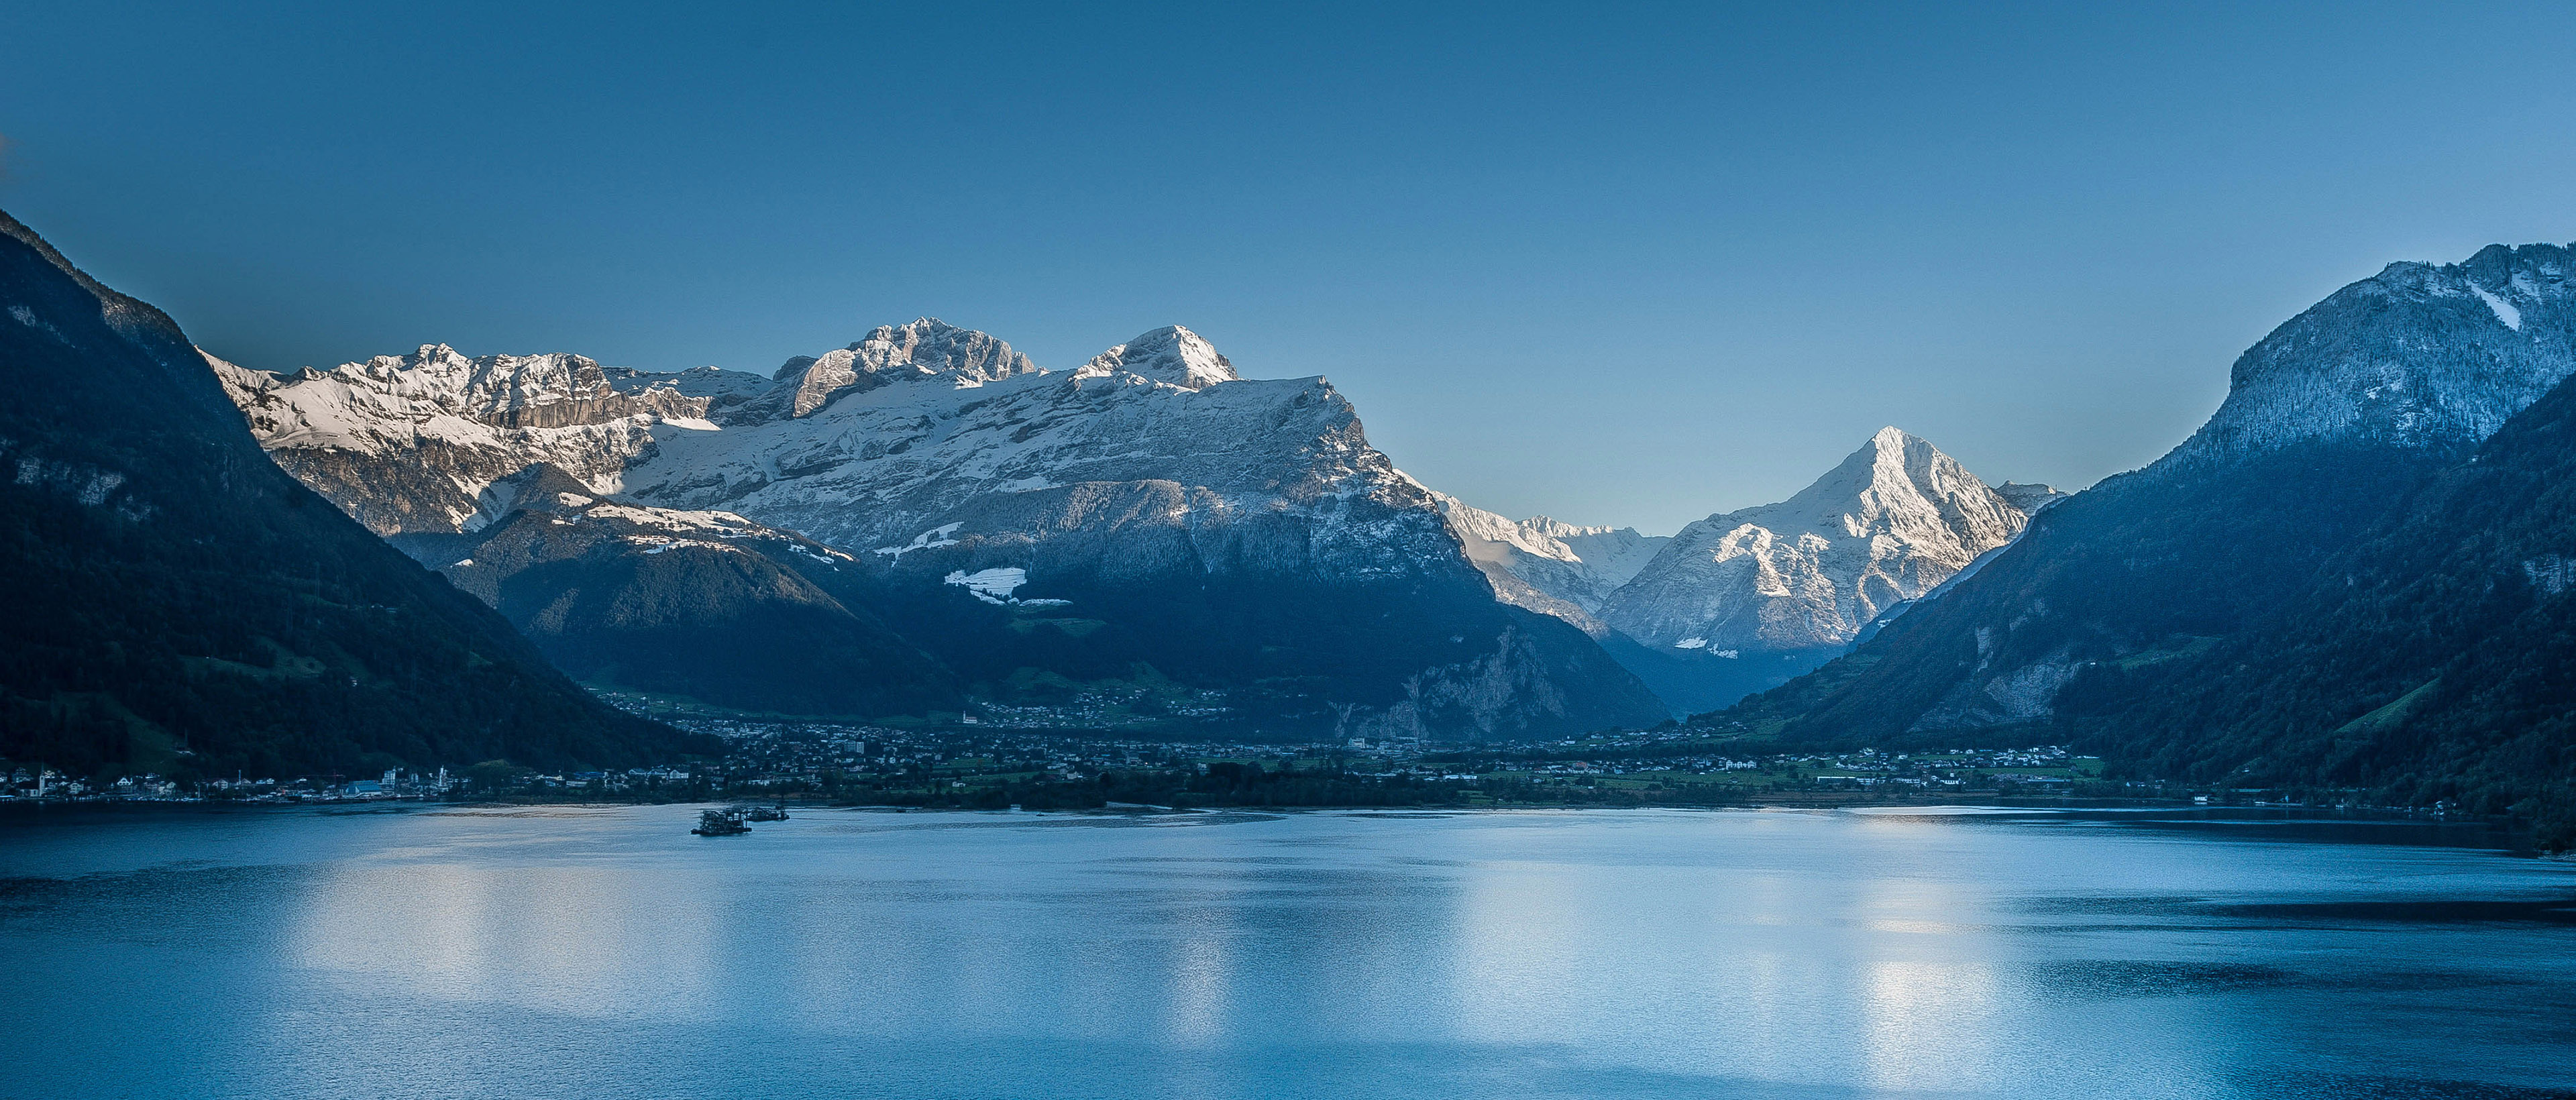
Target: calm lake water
[[608, 953]]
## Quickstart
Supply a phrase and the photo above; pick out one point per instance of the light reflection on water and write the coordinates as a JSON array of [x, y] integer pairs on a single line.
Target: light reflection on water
[[605, 952]]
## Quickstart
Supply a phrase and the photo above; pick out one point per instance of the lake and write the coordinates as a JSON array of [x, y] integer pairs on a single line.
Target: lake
[[576, 952]]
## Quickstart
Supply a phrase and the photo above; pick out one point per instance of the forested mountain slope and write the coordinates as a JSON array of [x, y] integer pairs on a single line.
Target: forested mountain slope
[[2434, 660]]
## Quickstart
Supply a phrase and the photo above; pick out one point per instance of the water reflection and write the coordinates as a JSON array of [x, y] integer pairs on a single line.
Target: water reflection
[[1928, 1024], [607, 953]]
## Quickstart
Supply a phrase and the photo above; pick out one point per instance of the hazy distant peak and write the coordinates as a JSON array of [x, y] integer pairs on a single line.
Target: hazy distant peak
[[1886, 524]]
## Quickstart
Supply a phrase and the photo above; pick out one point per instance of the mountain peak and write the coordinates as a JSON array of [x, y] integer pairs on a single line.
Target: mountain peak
[[1890, 521], [927, 347], [1892, 463], [1169, 354]]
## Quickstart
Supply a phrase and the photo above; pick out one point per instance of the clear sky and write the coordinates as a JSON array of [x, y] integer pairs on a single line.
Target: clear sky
[[1616, 264]]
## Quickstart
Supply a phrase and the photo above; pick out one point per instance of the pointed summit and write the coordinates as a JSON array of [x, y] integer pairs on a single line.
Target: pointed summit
[[1170, 354], [1899, 484], [1885, 525]]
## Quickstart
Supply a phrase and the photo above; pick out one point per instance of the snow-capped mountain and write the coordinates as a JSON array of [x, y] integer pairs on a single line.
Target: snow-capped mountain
[[924, 349], [879, 463], [1886, 525], [406, 443], [2418, 355], [1546, 565], [1230, 529]]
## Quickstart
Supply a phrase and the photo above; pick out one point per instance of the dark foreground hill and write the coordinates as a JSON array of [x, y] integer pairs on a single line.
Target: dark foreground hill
[[2433, 661], [176, 603]]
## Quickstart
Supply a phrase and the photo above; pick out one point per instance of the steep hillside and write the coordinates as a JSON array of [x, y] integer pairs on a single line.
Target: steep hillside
[[2434, 660], [178, 604]]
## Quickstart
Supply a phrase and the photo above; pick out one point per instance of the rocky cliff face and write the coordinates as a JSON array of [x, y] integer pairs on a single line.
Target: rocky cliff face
[[406, 443], [880, 464], [926, 348]]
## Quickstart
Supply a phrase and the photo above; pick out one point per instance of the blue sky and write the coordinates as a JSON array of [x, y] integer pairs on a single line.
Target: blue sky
[[1619, 264]]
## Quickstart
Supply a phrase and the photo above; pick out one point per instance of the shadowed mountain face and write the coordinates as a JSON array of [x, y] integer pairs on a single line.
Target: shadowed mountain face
[[2433, 660], [1110, 580], [1233, 547], [706, 605], [178, 604], [2333, 417]]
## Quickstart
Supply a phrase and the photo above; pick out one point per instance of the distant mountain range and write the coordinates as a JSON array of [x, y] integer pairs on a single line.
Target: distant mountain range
[[1746, 600], [1146, 535], [1170, 530]]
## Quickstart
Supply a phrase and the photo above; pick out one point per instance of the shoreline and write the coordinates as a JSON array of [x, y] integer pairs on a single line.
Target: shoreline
[[20, 811]]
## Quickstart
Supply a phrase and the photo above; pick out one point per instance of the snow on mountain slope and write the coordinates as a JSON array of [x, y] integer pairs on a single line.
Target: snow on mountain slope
[[2418, 355], [1172, 354], [878, 464], [1153, 486], [406, 443], [860, 447], [927, 348], [1558, 561], [546, 497], [1889, 523]]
